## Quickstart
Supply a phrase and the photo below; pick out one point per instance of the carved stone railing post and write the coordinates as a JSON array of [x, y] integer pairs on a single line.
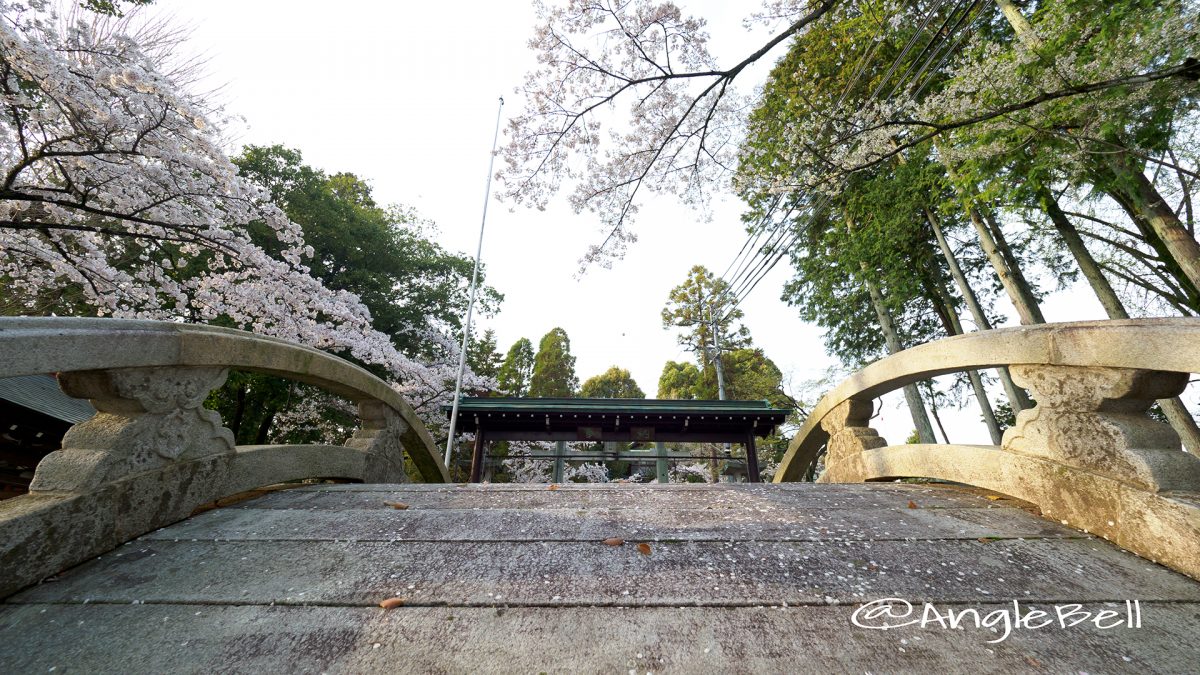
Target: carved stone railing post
[[381, 436], [152, 454], [850, 433], [1095, 419], [148, 458], [147, 419]]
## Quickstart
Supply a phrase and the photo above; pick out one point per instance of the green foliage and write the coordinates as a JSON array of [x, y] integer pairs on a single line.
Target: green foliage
[[248, 404], [112, 7], [749, 375], [517, 369], [679, 380], [554, 367], [1094, 145], [703, 307], [384, 255], [1005, 417], [482, 356], [612, 383]]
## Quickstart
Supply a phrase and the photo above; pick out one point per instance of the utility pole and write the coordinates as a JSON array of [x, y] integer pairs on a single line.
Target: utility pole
[[720, 367], [712, 321]]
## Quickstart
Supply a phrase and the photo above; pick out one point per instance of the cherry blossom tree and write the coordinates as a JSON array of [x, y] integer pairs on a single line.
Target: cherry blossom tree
[[114, 191], [682, 125], [683, 120]]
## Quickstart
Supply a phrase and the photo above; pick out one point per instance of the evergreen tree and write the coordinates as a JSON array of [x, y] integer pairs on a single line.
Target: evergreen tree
[[554, 367], [483, 357], [704, 308], [514, 374], [612, 383], [679, 380]]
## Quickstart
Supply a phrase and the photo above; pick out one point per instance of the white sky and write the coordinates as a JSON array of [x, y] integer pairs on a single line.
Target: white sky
[[404, 94]]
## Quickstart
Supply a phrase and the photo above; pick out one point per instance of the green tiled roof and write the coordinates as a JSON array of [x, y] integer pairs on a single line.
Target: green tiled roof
[[615, 406]]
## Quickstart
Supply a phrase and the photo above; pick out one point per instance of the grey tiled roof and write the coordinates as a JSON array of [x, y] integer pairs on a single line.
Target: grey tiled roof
[[41, 393]]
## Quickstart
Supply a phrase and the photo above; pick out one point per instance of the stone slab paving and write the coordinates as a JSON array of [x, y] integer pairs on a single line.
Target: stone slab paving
[[517, 579]]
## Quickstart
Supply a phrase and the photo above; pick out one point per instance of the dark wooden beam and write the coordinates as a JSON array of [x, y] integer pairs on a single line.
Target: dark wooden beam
[[751, 460], [477, 456], [731, 436]]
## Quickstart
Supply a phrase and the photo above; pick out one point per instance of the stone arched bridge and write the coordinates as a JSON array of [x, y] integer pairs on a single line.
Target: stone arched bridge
[[1074, 545]]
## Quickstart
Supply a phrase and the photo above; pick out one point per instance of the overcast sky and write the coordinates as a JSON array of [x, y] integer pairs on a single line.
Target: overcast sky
[[405, 95]]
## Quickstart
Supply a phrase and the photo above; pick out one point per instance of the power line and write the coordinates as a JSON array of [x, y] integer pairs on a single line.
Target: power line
[[767, 257]]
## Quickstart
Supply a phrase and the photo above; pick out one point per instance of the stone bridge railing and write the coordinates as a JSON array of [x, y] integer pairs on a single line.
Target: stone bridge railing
[[153, 453], [1087, 454]]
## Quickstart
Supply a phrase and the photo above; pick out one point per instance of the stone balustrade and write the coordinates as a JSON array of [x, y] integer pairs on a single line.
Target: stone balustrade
[[152, 454], [1087, 454]]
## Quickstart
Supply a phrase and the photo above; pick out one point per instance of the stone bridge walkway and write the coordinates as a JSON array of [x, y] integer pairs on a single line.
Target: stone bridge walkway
[[519, 579]]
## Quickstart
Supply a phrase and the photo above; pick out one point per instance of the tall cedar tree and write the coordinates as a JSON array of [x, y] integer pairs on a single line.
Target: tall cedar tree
[[517, 369], [554, 367]]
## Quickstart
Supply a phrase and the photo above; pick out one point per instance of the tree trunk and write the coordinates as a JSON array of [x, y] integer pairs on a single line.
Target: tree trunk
[[1145, 206], [1177, 413], [1018, 22], [1141, 194], [236, 423], [265, 427], [1017, 398], [1011, 278], [1150, 205], [1023, 286], [954, 327], [891, 338], [1026, 306], [1186, 287], [1087, 264], [912, 396], [937, 418]]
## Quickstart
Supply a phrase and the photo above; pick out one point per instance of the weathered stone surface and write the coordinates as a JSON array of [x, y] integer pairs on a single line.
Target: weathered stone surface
[[850, 433], [44, 533], [70, 344], [291, 593], [1164, 527], [727, 573], [381, 436], [1094, 419], [1087, 454], [254, 639], [650, 524], [146, 419], [1166, 345], [152, 454], [489, 596], [647, 497]]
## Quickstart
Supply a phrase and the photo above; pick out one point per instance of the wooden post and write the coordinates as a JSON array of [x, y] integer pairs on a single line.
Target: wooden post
[[751, 459], [663, 471], [477, 456], [560, 449]]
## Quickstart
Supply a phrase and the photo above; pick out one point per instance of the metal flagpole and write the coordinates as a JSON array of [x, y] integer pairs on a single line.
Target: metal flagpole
[[462, 354]]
